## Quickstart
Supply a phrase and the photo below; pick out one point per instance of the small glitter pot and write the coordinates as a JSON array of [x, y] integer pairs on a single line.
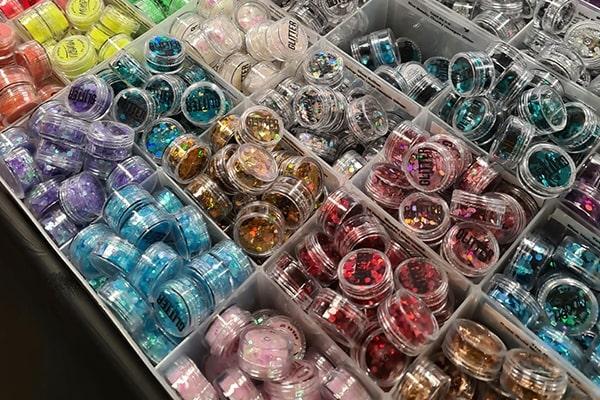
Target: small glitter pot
[[36, 118], [366, 118], [113, 256], [185, 158], [203, 103], [113, 45], [235, 69], [349, 164], [222, 336], [265, 353], [58, 159], [181, 305], [303, 381], [237, 262], [337, 208], [546, 170], [295, 282], [20, 172], [216, 38], [529, 259], [510, 84], [477, 177], [339, 384], [122, 202], [43, 197], [159, 136], [167, 90], [82, 197], [407, 322], [187, 380], [68, 130], [307, 169], [401, 139], [427, 216], [563, 60], [294, 333], [34, 57], [425, 90], [475, 118], [73, 56], [158, 264], [224, 131], [136, 108], [561, 343], [568, 304], [291, 196], [458, 148], [132, 170], [462, 386], [15, 137], [375, 49], [581, 37], [258, 76], [425, 279], [234, 384], [210, 197], [543, 107], [82, 246], [387, 185], [581, 131], [125, 302], [168, 200], [129, 69], [511, 142], [323, 145], [392, 76], [193, 73], [191, 232], [89, 97], [438, 67], [585, 201], [339, 317], [430, 167], [285, 39], [251, 169], [107, 144], [497, 23], [479, 209], [424, 378], [554, 16], [504, 56], [17, 100], [474, 349], [472, 74], [513, 221], [362, 231], [323, 67], [60, 228], [526, 374], [319, 108], [164, 54], [260, 126], [514, 299], [319, 257], [146, 225], [259, 229], [83, 14], [409, 50], [213, 273], [471, 249], [581, 257], [249, 14]]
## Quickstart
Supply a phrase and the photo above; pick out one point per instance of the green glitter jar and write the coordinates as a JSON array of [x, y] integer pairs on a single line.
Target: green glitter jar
[[568, 304], [546, 170], [543, 107]]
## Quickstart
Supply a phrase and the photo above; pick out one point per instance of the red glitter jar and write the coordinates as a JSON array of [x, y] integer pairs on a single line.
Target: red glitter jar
[[427, 216], [363, 231], [457, 147], [430, 167], [387, 185], [514, 220], [365, 277], [339, 206], [14, 75], [11, 8], [48, 89], [396, 254], [341, 319], [477, 177], [407, 322], [480, 209], [425, 279], [585, 201], [296, 283], [7, 43], [33, 56], [471, 249], [17, 100], [318, 255], [401, 139]]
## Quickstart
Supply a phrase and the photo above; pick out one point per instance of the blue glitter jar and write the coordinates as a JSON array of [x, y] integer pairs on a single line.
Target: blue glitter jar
[[212, 272], [182, 304], [167, 90], [529, 259], [60, 228], [122, 202], [20, 172], [154, 342], [82, 197], [133, 170], [568, 304], [168, 201], [125, 302], [581, 257], [375, 49], [52, 107], [594, 354], [129, 69], [57, 158], [114, 81], [515, 299], [89, 97], [445, 108], [235, 259], [543, 107], [472, 74], [164, 54], [158, 264], [581, 131], [159, 136], [562, 344], [136, 108], [13, 138], [146, 225], [190, 232], [203, 103], [84, 244], [546, 170], [408, 50], [43, 197], [511, 142]]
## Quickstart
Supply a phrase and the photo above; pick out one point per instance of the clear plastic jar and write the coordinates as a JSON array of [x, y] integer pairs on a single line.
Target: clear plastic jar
[[337, 208], [135, 108], [581, 37], [251, 169], [82, 197], [363, 231], [73, 56], [323, 67], [510, 84], [190, 235], [425, 90], [424, 278], [514, 298], [406, 135], [504, 56], [234, 384], [235, 69], [167, 90], [187, 380], [265, 353], [480, 209], [349, 164], [258, 76], [339, 384], [203, 103], [514, 220], [375, 49], [424, 378], [393, 76], [89, 97], [477, 177], [497, 23], [109, 140], [260, 126], [114, 256], [512, 141], [125, 302], [303, 381], [430, 167], [366, 118], [581, 131], [185, 24], [562, 60], [320, 108], [318, 255], [471, 249], [427, 216], [387, 185], [554, 16], [546, 170], [291, 196], [19, 170], [185, 158], [286, 39], [259, 228], [475, 118], [146, 225], [210, 197], [216, 38], [472, 74]]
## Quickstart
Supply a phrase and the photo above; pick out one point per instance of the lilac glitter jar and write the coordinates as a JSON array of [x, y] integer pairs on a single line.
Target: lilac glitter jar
[[89, 97], [108, 143], [59, 226], [63, 129], [43, 197], [82, 197], [52, 107], [57, 158], [19, 170], [133, 170], [13, 138]]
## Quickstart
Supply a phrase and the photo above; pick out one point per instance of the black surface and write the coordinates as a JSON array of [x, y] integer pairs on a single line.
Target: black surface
[[56, 343]]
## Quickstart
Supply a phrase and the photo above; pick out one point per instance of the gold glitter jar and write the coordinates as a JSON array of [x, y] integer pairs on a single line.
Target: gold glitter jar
[[259, 229], [261, 126], [423, 381], [306, 169], [252, 169], [462, 386], [217, 168], [210, 197], [474, 349], [224, 131], [293, 199], [531, 376], [185, 158]]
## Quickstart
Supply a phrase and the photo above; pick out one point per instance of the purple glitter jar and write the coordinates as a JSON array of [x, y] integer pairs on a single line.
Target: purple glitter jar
[[584, 200], [82, 197], [52, 107], [590, 173], [62, 156], [133, 170], [13, 138], [19, 170], [110, 140], [64, 129], [43, 197], [89, 97], [58, 226]]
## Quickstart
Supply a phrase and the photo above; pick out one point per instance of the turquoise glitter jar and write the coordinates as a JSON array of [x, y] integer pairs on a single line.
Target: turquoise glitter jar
[[581, 130], [237, 261], [156, 265], [167, 91], [213, 273], [514, 298], [125, 302], [164, 54], [114, 255], [511, 142], [568, 304], [203, 103], [375, 49], [504, 56], [438, 67], [154, 342], [129, 69], [475, 117], [168, 200], [136, 108], [529, 259], [546, 170], [84, 243], [579, 256], [159, 136], [472, 74], [543, 107], [191, 232], [122, 202], [146, 225], [510, 84], [561, 343]]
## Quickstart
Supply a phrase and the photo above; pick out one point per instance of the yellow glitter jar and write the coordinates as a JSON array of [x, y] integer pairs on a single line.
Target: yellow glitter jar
[[113, 45], [117, 22], [84, 13], [32, 25], [54, 17], [98, 34], [73, 56]]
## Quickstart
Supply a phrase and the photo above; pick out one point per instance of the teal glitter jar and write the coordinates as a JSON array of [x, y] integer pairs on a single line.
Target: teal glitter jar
[[167, 91], [511, 142], [125, 302], [445, 108], [147, 225], [546, 170], [579, 256], [114, 255], [514, 298], [581, 130], [122, 202], [203, 103], [568, 304], [168, 201], [129, 69], [543, 107], [529, 259], [561, 343], [475, 117], [504, 56], [164, 54], [237, 261], [136, 108], [510, 84], [156, 265], [190, 232], [408, 51], [154, 342], [375, 49], [159, 136], [193, 73], [84, 244], [213, 273], [182, 304], [438, 67], [472, 74]]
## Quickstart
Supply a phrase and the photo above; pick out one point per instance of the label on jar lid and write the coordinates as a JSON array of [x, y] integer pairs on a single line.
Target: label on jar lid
[[71, 49]]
